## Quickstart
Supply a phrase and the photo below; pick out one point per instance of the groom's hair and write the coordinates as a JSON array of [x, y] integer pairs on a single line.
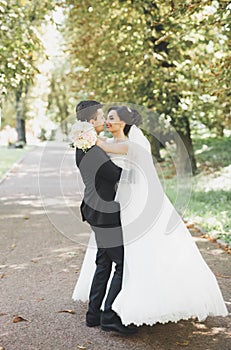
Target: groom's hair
[[86, 110]]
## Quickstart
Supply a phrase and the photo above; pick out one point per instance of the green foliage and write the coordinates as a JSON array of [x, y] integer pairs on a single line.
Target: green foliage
[[19, 41], [60, 97], [167, 55], [20, 49], [213, 152], [210, 210], [209, 206], [225, 239]]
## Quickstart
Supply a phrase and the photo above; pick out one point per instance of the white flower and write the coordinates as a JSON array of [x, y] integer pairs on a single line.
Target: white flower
[[83, 135]]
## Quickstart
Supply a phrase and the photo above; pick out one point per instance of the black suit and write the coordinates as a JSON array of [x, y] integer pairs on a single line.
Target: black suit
[[100, 176]]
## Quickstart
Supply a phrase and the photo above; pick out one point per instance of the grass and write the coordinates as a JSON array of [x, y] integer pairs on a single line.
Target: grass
[[8, 156], [210, 210], [210, 199], [212, 152]]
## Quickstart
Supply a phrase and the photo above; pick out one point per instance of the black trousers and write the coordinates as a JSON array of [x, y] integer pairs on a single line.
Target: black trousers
[[105, 256]]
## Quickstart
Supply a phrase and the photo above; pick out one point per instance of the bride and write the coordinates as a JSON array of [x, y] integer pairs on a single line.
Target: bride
[[165, 277]]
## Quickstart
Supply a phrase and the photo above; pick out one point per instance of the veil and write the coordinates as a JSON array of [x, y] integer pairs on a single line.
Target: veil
[[141, 197]]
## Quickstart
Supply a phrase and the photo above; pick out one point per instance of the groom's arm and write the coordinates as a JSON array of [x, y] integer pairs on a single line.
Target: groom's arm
[[96, 162], [111, 172], [107, 169]]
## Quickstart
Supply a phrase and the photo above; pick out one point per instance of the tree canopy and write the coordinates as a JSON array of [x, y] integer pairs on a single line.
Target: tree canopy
[[19, 41], [171, 56]]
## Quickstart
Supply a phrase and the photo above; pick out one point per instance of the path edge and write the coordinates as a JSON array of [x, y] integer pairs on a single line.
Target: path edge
[[20, 160]]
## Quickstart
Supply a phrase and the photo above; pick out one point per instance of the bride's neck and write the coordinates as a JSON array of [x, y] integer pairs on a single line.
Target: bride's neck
[[119, 135]]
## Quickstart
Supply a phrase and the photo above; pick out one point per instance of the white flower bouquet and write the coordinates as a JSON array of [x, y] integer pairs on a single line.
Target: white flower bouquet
[[83, 135]]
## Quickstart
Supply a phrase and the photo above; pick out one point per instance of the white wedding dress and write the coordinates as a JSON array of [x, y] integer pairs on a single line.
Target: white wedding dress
[[165, 277]]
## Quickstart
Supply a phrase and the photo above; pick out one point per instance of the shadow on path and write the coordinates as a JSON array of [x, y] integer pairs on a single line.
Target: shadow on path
[[41, 254]]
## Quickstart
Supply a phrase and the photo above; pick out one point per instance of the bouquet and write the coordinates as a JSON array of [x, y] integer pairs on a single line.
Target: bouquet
[[83, 135]]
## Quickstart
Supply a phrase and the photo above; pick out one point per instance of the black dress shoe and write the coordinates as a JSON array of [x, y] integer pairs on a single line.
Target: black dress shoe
[[93, 320], [93, 324], [119, 328]]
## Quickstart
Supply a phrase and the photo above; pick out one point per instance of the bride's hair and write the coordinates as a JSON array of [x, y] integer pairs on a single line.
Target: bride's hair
[[128, 115]]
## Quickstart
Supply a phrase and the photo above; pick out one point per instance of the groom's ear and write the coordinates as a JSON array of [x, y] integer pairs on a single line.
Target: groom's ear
[[92, 121]]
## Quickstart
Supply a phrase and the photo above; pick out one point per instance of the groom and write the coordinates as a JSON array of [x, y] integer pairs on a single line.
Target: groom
[[100, 176]]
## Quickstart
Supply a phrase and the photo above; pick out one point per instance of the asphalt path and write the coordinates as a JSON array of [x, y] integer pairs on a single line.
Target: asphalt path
[[42, 245]]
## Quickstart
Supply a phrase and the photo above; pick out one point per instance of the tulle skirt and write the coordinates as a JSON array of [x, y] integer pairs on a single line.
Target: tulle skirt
[[165, 278]]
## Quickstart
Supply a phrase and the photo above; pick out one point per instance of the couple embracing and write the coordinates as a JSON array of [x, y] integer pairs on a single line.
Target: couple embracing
[[141, 265]]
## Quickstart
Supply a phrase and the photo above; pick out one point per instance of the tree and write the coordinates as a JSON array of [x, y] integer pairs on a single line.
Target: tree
[[19, 47], [59, 98], [149, 53]]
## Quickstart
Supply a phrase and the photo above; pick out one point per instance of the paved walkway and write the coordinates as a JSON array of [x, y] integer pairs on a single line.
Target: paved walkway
[[42, 245]]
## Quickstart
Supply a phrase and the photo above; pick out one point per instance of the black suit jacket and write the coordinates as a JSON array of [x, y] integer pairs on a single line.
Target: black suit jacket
[[100, 176]]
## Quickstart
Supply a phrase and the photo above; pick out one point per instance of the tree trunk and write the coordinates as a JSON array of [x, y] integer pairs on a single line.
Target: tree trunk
[[184, 134], [155, 147], [21, 128], [220, 130], [20, 121], [65, 116]]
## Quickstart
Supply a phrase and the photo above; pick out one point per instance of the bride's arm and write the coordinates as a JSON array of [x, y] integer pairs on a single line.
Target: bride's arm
[[118, 148]]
